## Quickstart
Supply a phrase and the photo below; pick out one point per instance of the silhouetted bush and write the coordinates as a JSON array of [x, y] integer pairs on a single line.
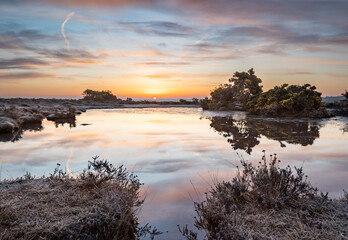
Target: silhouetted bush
[[245, 93], [345, 95], [93, 95], [288, 100], [235, 95]]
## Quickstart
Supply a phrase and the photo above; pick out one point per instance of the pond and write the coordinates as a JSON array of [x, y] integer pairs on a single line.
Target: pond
[[179, 152]]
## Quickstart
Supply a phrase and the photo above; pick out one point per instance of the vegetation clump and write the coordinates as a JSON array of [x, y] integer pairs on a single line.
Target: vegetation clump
[[99, 96], [233, 96], [244, 92], [101, 203], [345, 95], [339, 108], [269, 202], [289, 100]]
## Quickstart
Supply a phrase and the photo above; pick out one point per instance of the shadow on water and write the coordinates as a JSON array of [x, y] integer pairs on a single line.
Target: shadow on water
[[245, 134], [33, 127]]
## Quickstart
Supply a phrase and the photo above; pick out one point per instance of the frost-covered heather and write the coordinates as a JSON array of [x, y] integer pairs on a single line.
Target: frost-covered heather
[[268, 202], [101, 203]]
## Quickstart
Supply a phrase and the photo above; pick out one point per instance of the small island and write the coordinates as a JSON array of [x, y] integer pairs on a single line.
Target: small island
[[244, 92]]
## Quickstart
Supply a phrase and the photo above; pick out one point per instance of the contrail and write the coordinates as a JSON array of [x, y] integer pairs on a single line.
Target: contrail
[[68, 162], [65, 21], [200, 40]]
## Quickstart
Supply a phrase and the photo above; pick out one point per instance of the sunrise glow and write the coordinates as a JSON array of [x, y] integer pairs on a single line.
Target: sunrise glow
[[138, 49]]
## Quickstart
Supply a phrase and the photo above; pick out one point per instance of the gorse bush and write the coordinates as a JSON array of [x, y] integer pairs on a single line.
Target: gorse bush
[[244, 92], [288, 100], [268, 202]]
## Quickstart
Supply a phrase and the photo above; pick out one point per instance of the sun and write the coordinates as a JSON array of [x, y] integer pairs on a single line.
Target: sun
[[154, 98]]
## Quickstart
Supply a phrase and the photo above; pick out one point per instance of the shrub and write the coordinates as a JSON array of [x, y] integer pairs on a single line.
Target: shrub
[[100, 203], [288, 100], [345, 95], [268, 202], [93, 95]]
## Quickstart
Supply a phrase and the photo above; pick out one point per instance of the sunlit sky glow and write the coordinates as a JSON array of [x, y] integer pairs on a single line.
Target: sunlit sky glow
[[175, 48]]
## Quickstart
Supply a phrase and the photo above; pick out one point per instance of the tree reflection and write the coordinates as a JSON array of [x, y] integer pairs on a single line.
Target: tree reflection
[[70, 122], [33, 127], [245, 134]]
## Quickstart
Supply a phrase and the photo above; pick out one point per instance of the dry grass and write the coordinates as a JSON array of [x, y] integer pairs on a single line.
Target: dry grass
[[99, 204], [267, 202]]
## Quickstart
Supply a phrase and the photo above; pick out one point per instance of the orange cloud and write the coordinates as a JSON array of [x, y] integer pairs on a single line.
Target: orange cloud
[[158, 76]]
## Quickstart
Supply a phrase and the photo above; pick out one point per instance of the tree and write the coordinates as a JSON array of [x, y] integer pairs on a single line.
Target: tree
[[129, 100], [247, 82], [345, 95], [205, 103], [242, 86], [195, 100], [94, 95]]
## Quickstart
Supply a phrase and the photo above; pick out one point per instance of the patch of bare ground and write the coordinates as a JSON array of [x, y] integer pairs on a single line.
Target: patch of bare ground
[[269, 202], [101, 203]]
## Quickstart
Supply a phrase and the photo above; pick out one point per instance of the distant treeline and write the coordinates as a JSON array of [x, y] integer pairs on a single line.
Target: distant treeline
[[107, 96]]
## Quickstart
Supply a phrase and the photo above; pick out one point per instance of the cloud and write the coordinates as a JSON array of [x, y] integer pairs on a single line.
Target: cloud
[[89, 3], [298, 73], [73, 54], [63, 58], [135, 53], [158, 76], [10, 40], [22, 63], [159, 28], [23, 39], [227, 12], [25, 75], [324, 61], [160, 63]]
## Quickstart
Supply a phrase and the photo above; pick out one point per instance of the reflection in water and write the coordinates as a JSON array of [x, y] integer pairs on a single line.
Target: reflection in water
[[177, 156], [245, 134], [16, 136], [70, 122], [345, 128], [33, 127]]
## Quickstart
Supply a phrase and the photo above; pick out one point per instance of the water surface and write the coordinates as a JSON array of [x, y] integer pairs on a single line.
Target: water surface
[[179, 152]]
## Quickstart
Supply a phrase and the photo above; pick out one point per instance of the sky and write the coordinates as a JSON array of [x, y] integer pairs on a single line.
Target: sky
[[169, 49]]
